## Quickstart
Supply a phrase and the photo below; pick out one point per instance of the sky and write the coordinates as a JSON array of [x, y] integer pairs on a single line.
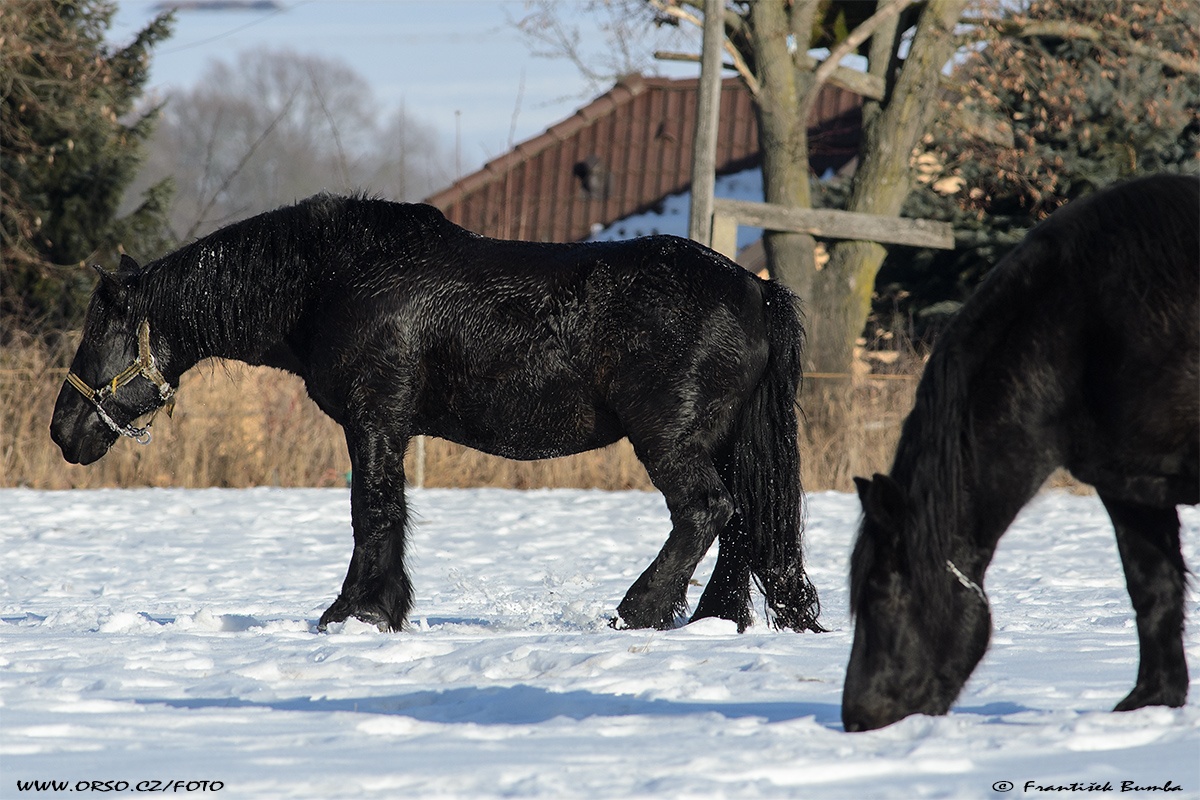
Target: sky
[[461, 66]]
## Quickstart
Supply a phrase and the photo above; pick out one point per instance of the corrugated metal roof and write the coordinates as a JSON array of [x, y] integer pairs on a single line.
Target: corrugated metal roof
[[621, 154]]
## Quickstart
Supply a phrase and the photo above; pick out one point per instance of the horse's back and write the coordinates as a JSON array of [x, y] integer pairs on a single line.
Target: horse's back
[[1094, 321], [399, 247], [1139, 238], [1143, 238], [1134, 252]]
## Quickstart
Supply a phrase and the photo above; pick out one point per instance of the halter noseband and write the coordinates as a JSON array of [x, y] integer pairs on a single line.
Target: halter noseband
[[146, 367]]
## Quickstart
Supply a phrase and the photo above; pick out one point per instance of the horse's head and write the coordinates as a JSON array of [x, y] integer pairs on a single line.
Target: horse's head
[[117, 373], [920, 629]]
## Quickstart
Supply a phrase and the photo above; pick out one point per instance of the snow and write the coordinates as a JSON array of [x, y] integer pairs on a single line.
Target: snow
[[169, 635], [671, 216]]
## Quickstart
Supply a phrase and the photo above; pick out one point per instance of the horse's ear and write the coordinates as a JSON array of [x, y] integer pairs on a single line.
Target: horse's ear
[[863, 485], [116, 284], [128, 268], [109, 282], [883, 501]]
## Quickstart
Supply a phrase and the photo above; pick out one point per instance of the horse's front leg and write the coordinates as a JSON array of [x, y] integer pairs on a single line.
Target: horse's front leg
[[1148, 540], [376, 589]]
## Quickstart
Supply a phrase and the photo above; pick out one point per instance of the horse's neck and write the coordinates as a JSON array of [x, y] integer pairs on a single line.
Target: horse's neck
[[219, 309], [992, 457]]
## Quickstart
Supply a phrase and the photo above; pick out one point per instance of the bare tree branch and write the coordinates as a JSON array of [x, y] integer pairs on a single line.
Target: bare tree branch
[[245, 159], [851, 43], [343, 165], [1073, 30], [739, 63], [512, 126]]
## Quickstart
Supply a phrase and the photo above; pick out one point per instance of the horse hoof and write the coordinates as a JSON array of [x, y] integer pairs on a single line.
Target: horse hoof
[[382, 625], [621, 623], [1174, 697], [330, 617], [341, 611]]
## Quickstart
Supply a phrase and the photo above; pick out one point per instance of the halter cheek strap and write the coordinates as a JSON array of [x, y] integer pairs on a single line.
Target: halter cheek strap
[[146, 367], [965, 581]]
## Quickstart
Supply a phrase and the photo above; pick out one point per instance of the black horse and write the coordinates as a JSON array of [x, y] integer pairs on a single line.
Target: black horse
[[1081, 349], [401, 323]]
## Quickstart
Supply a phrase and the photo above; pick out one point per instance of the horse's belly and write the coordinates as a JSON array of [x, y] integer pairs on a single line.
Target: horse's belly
[[522, 426], [530, 450]]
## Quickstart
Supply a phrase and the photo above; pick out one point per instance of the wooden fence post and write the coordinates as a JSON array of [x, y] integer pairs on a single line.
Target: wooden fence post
[[708, 107]]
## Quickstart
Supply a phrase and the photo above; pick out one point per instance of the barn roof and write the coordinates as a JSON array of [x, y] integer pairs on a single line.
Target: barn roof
[[623, 153]]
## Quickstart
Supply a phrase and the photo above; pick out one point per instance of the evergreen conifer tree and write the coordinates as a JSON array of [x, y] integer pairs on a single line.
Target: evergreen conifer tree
[[71, 136], [1092, 91]]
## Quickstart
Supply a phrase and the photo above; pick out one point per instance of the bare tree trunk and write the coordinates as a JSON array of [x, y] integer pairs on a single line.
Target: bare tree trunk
[[882, 181], [783, 134], [841, 292]]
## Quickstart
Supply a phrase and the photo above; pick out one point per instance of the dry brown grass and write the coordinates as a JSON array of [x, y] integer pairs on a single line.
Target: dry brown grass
[[234, 427], [241, 426], [853, 426]]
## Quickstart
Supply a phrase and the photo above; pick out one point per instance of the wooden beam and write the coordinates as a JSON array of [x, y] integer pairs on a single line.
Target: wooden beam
[[837, 224]]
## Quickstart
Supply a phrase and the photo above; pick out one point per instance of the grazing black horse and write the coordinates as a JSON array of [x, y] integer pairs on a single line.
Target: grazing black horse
[[1081, 349], [401, 323]]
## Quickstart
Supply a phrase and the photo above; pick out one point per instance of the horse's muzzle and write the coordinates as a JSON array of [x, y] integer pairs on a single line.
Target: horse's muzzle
[[79, 434]]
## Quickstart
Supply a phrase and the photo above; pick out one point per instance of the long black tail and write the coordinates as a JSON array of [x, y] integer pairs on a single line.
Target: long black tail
[[763, 472]]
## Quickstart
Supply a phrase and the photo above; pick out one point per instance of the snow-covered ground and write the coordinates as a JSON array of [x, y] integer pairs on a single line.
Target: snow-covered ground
[[157, 637]]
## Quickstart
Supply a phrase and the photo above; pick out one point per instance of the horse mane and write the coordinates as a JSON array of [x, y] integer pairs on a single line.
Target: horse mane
[[932, 462], [1109, 246], [935, 461], [242, 287]]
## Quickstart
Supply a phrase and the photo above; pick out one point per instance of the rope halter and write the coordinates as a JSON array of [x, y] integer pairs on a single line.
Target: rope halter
[[145, 367]]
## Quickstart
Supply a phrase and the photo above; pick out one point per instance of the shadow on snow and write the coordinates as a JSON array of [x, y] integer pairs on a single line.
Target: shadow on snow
[[520, 705]]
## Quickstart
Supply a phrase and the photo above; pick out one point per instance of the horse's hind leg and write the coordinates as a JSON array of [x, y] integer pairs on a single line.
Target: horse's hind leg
[[700, 506], [376, 589], [727, 595], [1148, 540]]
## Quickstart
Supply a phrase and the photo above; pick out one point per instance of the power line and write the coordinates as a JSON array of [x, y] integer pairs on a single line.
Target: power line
[[232, 31]]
